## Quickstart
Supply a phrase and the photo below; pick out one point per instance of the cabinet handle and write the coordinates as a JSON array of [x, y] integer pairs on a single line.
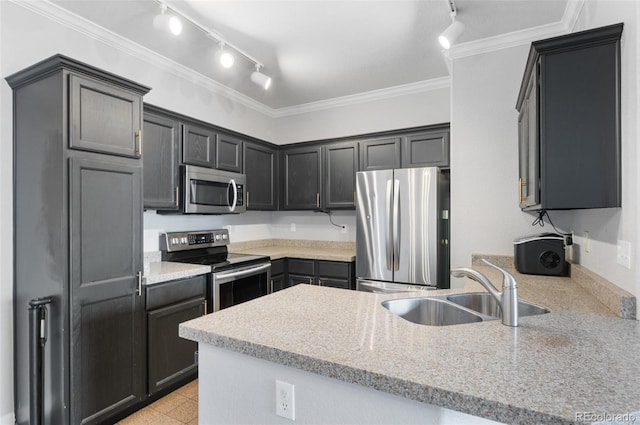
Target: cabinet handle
[[139, 143], [354, 199], [139, 290], [319, 282], [317, 200], [205, 307], [521, 184], [310, 281], [271, 286], [177, 195], [247, 200]]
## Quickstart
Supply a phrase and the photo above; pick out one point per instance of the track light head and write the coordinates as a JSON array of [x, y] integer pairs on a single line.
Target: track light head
[[165, 20], [224, 57], [449, 35], [261, 79]]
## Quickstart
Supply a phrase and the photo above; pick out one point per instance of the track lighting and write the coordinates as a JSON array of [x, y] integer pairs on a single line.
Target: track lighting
[[227, 52], [453, 31], [165, 20], [260, 79]]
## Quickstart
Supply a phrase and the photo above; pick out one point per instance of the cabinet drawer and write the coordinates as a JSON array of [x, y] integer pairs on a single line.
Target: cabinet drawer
[[163, 294], [337, 269], [277, 267], [334, 283], [303, 267]]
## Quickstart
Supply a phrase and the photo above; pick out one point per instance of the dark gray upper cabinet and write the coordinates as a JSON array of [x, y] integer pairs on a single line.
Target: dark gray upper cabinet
[[341, 165], [78, 227], [104, 118], [161, 161], [428, 149], [229, 153], [569, 102], [380, 154], [260, 167], [302, 175], [198, 145]]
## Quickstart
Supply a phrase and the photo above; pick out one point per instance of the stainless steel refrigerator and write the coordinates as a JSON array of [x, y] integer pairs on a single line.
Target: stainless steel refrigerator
[[402, 229]]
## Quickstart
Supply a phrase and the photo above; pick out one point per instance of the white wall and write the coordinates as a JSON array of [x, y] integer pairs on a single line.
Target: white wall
[[409, 110]]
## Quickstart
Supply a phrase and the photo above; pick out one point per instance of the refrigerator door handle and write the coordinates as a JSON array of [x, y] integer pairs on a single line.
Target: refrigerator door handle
[[389, 238], [396, 225]]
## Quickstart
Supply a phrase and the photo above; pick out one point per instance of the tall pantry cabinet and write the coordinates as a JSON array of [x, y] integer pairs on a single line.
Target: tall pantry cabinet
[[78, 238]]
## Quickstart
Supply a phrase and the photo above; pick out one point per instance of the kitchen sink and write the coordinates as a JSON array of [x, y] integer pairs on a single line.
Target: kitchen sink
[[431, 311], [485, 303], [455, 309]]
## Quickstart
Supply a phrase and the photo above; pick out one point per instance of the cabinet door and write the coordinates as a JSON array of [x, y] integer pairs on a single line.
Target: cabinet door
[[160, 162], [198, 145], [528, 149], [260, 167], [334, 283], [170, 357], [302, 178], [296, 279], [429, 149], [278, 283], [229, 153], [107, 364], [341, 165], [104, 118], [380, 154]]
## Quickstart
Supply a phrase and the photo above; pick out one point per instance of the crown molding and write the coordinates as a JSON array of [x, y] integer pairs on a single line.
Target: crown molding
[[81, 25], [370, 96], [504, 41]]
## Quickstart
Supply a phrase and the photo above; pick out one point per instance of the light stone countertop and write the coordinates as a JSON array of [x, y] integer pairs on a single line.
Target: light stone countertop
[[296, 248], [165, 271], [577, 358]]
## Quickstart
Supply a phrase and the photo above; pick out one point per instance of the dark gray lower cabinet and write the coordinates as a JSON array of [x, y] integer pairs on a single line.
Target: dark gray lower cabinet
[[279, 274], [337, 274], [171, 359]]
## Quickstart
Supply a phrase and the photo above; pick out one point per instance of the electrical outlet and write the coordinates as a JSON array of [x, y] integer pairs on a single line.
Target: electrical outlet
[[285, 400], [293, 227], [585, 242], [624, 254]]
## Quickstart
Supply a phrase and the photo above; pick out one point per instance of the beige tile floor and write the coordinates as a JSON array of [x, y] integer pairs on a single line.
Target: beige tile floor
[[178, 408]]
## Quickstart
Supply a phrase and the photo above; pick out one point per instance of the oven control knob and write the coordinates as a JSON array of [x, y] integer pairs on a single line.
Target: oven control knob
[[183, 239], [224, 237], [217, 237], [174, 241]]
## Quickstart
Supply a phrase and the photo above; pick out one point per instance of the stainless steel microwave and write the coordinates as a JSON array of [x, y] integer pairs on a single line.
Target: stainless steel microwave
[[209, 191]]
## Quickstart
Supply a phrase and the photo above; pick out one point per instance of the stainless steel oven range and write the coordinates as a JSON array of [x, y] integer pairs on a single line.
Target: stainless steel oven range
[[234, 278]]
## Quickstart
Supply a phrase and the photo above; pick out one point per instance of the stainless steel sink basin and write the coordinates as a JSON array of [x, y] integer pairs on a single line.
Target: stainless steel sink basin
[[484, 303], [431, 311]]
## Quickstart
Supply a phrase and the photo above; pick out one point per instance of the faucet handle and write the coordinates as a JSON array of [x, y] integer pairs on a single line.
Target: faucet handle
[[508, 281]]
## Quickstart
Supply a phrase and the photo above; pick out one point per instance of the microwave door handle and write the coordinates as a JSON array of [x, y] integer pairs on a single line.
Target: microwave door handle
[[232, 207]]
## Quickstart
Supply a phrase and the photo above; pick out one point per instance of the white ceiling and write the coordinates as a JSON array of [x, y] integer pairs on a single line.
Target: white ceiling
[[317, 50]]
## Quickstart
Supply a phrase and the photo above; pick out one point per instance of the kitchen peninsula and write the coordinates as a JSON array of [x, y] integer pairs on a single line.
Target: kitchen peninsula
[[353, 361]]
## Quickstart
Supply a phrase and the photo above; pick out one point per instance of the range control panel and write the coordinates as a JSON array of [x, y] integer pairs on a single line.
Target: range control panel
[[180, 241]]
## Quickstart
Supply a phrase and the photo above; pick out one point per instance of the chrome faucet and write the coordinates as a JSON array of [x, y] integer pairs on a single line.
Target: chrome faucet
[[508, 298]]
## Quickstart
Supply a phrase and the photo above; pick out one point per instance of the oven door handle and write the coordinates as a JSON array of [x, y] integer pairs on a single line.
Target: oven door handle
[[228, 276]]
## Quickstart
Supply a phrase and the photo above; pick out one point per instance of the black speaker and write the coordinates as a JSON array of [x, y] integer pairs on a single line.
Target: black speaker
[[542, 254]]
